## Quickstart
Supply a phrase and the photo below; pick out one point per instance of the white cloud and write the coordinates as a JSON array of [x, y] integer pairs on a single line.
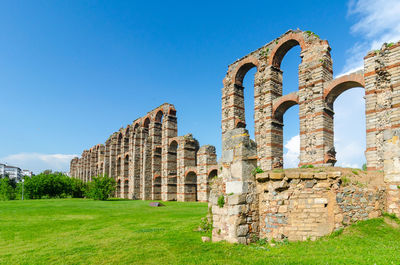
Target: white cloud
[[291, 157], [378, 21], [38, 162]]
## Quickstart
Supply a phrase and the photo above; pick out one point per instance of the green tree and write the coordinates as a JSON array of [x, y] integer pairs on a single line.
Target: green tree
[[101, 188], [78, 188], [7, 192]]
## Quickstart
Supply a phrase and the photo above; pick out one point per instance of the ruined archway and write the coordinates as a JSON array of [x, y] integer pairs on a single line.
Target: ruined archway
[[118, 167], [279, 108], [190, 186], [238, 96], [118, 193], [126, 189], [172, 171], [348, 144], [126, 166], [211, 175], [157, 188]]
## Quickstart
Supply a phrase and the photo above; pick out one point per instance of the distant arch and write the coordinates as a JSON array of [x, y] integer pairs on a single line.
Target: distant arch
[[159, 116], [157, 188], [146, 123], [212, 174], [190, 186]]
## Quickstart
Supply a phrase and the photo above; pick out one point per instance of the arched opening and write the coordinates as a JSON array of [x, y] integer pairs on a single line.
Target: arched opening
[[190, 188], [157, 188], [126, 189], [346, 98], [211, 175], [245, 97], [118, 188], [126, 141], [159, 116], [172, 171], [248, 91], [285, 158], [287, 58], [146, 123], [118, 167], [101, 170], [119, 143], [126, 166]]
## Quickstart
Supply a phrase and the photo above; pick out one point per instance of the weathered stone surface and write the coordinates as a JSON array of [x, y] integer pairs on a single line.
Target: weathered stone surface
[[150, 162]]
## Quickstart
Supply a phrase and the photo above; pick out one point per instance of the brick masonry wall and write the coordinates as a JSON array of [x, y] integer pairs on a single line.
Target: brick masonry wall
[[315, 97], [140, 160], [312, 203]]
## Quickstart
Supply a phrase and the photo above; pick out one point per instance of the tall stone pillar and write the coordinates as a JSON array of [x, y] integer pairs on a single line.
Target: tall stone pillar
[[206, 161], [169, 131], [233, 198]]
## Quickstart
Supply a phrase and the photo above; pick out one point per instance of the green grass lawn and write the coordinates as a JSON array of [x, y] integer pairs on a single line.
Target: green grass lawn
[[73, 231]]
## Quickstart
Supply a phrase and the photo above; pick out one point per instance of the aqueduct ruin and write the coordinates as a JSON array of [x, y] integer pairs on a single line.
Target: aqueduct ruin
[[150, 162], [304, 203]]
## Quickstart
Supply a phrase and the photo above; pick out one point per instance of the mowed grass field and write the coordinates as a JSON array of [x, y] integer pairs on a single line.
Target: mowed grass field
[[78, 231]]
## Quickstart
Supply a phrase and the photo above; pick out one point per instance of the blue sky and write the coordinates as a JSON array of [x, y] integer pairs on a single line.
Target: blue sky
[[73, 72]]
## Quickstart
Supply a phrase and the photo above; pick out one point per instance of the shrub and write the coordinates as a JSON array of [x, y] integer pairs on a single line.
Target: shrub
[[345, 181], [53, 185], [7, 192], [221, 201], [257, 170], [364, 167], [78, 188], [307, 166], [101, 188]]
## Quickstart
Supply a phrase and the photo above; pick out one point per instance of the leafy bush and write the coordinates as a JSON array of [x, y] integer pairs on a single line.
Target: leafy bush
[[52, 185], [78, 188], [307, 166], [364, 167], [257, 170], [221, 201], [101, 188], [7, 191]]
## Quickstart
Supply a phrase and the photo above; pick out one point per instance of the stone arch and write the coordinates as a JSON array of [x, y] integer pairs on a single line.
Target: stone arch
[[118, 167], [118, 188], [282, 104], [284, 44], [159, 116], [157, 187], [190, 186], [279, 107], [172, 111], [238, 76], [341, 84], [211, 174], [126, 140], [172, 170], [242, 68], [146, 123], [126, 166], [332, 90], [126, 189]]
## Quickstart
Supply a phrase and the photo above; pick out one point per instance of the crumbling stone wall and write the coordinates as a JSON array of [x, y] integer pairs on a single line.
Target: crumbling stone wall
[[239, 220], [302, 204], [141, 159]]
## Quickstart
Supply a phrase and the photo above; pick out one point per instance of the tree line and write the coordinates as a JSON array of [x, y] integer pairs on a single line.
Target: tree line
[[56, 185]]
